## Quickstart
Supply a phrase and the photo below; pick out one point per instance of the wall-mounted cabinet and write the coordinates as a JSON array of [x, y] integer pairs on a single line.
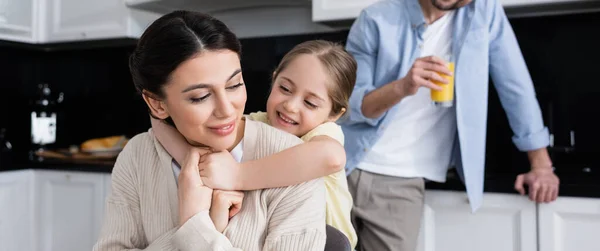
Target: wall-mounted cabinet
[[247, 18], [50, 21], [336, 10], [330, 10]]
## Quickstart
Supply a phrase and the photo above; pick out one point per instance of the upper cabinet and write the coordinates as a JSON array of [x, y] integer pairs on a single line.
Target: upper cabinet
[[248, 18], [48, 21], [17, 20], [326, 10], [337, 10], [525, 3], [212, 6]]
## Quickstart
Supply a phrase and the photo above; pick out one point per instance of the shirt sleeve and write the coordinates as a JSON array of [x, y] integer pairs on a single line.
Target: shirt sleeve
[[362, 44], [513, 84], [329, 129], [258, 116]]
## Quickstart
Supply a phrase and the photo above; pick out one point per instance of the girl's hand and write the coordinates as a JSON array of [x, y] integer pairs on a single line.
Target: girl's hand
[[221, 171]]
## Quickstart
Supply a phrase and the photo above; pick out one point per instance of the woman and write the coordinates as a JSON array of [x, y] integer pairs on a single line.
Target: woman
[[187, 68]]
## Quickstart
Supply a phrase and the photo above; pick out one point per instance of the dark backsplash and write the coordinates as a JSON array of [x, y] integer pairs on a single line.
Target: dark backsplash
[[561, 53], [100, 100]]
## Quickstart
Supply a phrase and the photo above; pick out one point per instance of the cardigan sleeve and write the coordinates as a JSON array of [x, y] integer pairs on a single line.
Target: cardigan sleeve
[[298, 218], [297, 221], [122, 228]]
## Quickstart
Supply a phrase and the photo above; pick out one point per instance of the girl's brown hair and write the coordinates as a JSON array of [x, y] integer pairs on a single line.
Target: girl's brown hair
[[340, 65]]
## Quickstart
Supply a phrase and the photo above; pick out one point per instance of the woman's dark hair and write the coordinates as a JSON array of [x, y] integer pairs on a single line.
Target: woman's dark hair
[[171, 40]]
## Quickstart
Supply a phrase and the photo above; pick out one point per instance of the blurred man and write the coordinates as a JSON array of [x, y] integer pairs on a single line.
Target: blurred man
[[396, 137]]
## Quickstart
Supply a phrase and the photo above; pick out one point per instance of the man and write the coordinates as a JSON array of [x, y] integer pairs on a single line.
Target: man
[[396, 137]]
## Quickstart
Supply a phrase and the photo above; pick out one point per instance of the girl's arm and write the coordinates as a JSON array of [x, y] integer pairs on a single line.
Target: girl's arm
[[321, 156], [170, 139]]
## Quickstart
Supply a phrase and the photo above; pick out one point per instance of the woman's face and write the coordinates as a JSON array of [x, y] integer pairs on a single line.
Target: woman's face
[[299, 99], [205, 97]]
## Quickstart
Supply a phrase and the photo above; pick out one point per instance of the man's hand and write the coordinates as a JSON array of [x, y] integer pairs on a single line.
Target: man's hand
[[221, 171], [225, 205], [421, 74], [542, 184], [425, 69]]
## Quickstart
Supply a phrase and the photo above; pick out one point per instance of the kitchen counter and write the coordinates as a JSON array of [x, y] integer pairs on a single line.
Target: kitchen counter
[[571, 185], [52, 165]]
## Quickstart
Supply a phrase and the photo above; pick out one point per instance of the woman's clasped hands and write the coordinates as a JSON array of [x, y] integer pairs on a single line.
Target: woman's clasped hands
[[195, 196]]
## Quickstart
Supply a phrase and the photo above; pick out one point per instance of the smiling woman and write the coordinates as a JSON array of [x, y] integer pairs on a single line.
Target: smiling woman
[[187, 68], [205, 99]]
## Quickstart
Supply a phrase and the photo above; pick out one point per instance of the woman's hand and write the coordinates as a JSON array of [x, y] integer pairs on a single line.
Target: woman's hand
[[194, 197], [220, 170], [225, 205]]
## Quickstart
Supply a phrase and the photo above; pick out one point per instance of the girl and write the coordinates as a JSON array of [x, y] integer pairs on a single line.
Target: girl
[[311, 88]]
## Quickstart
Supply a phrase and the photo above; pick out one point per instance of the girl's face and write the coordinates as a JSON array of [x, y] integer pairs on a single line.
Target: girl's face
[[299, 99], [205, 97]]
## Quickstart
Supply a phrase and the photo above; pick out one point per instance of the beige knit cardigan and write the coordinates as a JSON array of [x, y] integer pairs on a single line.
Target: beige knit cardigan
[[142, 209]]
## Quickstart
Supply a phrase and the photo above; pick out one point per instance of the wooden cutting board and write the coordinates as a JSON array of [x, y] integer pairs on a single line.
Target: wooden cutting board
[[64, 155]]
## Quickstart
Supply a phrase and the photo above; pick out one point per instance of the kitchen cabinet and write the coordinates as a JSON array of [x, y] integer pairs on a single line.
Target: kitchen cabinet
[[16, 210], [70, 208], [517, 3], [107, 185], [504, 222], [570, 224], [49, 21], [327, 10], [63, 210], [248, 18], [336, 10], [17, 19], [51, 210]]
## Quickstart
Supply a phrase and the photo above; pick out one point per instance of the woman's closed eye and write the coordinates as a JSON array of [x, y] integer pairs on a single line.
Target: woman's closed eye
[[200, 99], [236, 86], [284, 89], [203, 98]]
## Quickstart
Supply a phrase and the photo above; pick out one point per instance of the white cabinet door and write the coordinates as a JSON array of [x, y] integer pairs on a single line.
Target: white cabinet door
[[326, 10], [107, 184], [503, 223], [70, 20], [16, 211], [70, 206], [520, 3], [570, 224], [17, 20], [107, 188]]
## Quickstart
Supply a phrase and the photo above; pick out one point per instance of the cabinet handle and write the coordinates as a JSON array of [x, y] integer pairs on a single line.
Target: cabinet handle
[[563, 149]]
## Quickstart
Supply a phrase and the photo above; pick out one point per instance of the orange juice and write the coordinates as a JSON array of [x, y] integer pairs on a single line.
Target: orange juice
[[445, 97]]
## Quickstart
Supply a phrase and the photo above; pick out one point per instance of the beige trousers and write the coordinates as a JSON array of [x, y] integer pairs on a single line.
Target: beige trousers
[[387, 211]]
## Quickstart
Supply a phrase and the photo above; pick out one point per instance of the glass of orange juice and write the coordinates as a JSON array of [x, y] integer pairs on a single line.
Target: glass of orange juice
[[445, 97]]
